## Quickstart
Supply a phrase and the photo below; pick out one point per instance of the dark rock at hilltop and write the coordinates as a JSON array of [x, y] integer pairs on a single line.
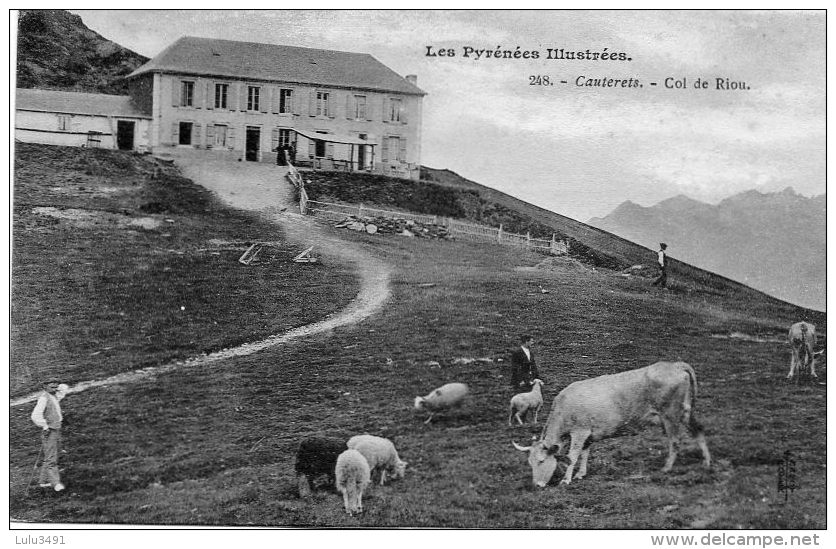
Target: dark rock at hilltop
[[56, 51]]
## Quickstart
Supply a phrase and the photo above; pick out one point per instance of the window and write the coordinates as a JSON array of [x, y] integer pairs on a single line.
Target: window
[[322, 107], [187, 94], [64, 122], [253, 98], [221, 94], [359, 107], [285, 101], [185, 133], [395, 106], [285, 136], [220, 134]]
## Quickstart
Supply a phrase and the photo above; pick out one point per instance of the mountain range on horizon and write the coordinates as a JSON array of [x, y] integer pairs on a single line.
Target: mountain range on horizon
[[773, 242]]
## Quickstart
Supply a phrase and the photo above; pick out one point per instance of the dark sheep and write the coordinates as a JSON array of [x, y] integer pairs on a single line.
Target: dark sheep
[[317, 457]]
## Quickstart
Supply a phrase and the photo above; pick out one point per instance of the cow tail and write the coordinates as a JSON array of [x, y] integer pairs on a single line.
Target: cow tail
[[694, 426]]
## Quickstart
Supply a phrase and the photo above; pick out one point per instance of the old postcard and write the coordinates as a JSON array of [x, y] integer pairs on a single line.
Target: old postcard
[[560, 271]]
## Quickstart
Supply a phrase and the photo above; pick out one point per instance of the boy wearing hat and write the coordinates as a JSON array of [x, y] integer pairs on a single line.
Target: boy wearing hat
[[663, 266], [47, 416]]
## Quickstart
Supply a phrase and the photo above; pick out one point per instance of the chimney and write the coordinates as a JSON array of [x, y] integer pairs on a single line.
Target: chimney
[[412, 79]]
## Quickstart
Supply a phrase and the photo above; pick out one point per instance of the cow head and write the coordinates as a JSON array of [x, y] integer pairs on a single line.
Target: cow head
[[542, 461], [419, 403]]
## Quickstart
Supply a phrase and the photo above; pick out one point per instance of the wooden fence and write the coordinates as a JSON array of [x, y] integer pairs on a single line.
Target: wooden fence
[[458, 229]]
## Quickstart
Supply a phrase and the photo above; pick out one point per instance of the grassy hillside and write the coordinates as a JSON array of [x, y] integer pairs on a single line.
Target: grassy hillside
[[444, 193], [164, 463], [216, 445], [55, 50], [119, 263]]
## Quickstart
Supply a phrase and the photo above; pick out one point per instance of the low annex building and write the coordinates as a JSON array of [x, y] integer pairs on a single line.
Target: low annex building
[[246, 101], [80, 119]]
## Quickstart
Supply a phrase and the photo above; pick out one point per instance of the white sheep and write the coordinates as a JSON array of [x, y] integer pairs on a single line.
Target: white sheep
[[522, 403], [381, 455], [444, 398], [352, 477]]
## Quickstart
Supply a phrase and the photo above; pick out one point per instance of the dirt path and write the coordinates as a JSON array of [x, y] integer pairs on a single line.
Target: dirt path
[[264, 188]]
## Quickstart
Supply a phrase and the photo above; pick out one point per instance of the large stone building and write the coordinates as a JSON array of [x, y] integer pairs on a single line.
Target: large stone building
[[242, 101]]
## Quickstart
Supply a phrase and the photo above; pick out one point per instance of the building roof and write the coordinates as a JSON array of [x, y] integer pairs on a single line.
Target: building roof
[[271, 62], [77, 103]]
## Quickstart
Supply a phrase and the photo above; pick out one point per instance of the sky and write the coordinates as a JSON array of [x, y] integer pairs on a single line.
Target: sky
[[576, 150]]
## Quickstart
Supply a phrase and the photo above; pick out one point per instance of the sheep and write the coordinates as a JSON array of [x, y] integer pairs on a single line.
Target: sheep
[[317, 456], [353, 476], [444, 398], [522, 403], [381, 455]]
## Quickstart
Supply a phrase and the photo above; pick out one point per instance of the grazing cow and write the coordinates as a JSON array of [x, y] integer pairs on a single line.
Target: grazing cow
[[609, 406], [802, 338]]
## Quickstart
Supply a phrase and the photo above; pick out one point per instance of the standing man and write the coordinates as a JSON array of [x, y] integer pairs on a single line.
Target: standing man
[[47, 416], [523, 365], [663, 266], [280, 157]]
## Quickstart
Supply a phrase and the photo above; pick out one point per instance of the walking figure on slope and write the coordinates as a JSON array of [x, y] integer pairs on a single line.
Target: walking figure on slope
[[663, 266]]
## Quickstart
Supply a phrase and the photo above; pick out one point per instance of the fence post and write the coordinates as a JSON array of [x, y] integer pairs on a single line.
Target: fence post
[[553, 246], [360, 211], [528, 239], [499, 234]]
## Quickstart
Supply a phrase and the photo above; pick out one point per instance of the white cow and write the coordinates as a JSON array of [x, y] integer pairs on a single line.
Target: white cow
[[802, 338], [609, 406]]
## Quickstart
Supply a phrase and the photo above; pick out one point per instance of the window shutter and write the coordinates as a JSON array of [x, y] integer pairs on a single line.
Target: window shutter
[[210, 95], [348, 110], [198, 93], [385, 116], [402, 153], [311, 148], [210, 135], [232, 97], [312, 104], [245, 92], [230, 137], [329, 149], [274, 139], [196, 134], [264, 98], [369, 109], [175, 132], [384, 149], [403, 113], [295, 103], [276, 94], [329, 106], [175, 92]]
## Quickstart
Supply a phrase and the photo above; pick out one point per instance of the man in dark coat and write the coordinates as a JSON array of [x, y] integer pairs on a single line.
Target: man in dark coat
[[523, 365]]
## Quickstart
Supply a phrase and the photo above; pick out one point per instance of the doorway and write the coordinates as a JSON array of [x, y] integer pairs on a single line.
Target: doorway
[[253, 143], [125, 135], [361, 154]]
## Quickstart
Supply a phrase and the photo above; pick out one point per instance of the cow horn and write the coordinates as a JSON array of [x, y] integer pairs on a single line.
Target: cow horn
[[521, 448]]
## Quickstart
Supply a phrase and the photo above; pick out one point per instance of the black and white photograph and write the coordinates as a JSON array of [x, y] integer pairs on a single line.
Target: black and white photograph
[[424, 270]]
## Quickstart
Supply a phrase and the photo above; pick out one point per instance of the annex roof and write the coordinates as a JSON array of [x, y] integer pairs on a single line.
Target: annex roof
[[272, 62], [77, 103]]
